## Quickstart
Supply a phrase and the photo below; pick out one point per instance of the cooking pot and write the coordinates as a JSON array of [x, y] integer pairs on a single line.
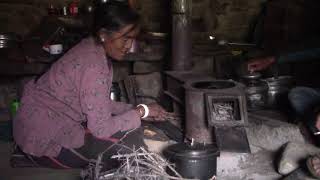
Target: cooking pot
[[279, 88], [197, 161], [256, 91]]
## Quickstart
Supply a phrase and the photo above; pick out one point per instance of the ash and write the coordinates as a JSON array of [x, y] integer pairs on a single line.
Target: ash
[[222, 112]]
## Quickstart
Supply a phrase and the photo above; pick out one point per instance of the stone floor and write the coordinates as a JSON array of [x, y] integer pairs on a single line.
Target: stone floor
[[8, 173], [267, 132]]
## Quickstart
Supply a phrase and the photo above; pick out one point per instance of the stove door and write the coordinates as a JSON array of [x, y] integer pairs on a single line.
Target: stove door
[[232, 139]]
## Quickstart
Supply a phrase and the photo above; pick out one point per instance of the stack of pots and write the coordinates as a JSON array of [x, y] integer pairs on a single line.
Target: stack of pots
[[266, 93], [279, 88]]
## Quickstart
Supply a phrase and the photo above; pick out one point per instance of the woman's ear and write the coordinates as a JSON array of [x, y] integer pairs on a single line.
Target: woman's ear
[[103, 36]]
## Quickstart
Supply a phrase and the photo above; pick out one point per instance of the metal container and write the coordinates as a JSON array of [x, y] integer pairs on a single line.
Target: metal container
[[115, 92], [8, 40], [256, 91], [181, 6], [197, 162], [279, 88]]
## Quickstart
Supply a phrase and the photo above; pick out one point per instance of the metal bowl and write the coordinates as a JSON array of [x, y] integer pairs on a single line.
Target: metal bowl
[[8, 40]]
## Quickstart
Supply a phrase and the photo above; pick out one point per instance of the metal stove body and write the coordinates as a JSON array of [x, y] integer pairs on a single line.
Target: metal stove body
[[215, 111]]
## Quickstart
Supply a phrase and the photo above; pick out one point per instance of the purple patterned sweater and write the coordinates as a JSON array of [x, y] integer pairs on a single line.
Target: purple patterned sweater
[[75, 90]]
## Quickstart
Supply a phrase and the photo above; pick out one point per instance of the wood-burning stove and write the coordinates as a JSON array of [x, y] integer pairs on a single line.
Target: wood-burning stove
[[216, 112]]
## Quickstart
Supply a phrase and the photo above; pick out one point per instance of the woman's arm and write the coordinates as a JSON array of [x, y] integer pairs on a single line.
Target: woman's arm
[[265, 62], [300, 56], [98, 108], [120, 107]]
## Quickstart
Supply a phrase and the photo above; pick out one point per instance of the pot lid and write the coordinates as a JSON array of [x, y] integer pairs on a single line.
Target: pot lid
[[252, 76], [195, 151], [279, 79]]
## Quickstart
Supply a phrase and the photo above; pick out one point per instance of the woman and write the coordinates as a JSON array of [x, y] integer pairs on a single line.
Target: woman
[[66, 116]]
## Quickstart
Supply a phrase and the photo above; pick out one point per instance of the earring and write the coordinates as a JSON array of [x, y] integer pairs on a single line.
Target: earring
[[102, 39]]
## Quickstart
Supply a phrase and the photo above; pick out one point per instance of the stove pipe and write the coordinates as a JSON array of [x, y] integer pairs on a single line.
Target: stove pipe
[[181, 35]]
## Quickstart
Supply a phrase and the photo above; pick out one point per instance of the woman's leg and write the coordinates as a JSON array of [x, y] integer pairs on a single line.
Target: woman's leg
[[111, 146], [80, 157]]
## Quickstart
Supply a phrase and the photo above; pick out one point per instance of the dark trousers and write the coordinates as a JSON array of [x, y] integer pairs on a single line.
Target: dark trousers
[[80, 157]]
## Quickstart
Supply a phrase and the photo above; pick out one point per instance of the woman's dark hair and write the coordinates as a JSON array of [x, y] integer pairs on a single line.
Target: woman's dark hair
[[113, 16]]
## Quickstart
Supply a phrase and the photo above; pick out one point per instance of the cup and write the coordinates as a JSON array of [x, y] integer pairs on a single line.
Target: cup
[[55, 49]]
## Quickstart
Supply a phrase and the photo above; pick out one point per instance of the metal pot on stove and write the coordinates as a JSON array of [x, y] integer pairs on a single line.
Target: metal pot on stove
[[196, 161], [256, 91], [279, 88]]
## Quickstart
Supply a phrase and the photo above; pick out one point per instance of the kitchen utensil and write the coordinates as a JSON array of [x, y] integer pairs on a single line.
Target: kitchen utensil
[[196, 161], [225, 42], [278, 89], [8, 40], [115, 93], [55, 49], [256, 91]]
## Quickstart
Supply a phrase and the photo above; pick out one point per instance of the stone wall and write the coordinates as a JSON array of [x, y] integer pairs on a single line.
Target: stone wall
[[21, 16], [230, 19]]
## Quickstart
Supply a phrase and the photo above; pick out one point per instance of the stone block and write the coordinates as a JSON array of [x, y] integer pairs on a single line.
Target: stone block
[[266, 136], [203, 65], [295, 155], [256, 166], [148, 88], [121, 70], [19, 18], [269, 134], [299, 174], [147, 67]]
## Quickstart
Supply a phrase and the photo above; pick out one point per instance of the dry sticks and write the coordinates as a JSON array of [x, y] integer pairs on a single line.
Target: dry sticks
[[144, 165], [139, 164]]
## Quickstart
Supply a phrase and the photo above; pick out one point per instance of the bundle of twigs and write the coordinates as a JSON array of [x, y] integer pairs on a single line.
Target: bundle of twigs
[[139, 164]]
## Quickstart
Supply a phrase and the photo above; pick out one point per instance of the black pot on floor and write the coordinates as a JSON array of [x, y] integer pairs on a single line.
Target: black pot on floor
[[198, 161]]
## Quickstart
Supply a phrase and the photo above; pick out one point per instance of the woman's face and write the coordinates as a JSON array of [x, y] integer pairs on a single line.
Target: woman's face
[[117, 44]]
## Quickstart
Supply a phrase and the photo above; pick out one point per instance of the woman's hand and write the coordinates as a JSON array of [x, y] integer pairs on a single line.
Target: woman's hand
[[156, 113], [260, 63]]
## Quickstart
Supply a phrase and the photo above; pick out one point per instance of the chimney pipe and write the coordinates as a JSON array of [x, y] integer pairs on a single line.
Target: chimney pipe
[[181, 35]]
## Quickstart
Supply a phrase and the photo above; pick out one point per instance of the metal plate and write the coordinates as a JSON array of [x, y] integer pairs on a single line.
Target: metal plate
[[232, 139]]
